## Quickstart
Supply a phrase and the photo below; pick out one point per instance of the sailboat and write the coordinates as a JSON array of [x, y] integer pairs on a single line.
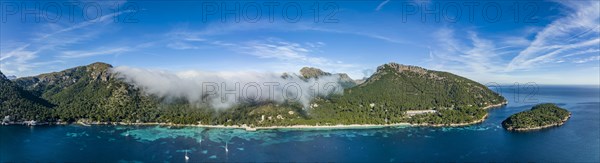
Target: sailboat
[[186, 156]]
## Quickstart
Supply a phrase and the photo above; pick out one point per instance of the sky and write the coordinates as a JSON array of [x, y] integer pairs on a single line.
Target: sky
[[545, 42]]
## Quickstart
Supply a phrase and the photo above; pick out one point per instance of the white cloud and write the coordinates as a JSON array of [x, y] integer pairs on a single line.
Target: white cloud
[[22, 59], [590, 59], [579, 30], [100, 51], [550, 55], [289, 56], [181, 46], [280, 50], [514, 58], [584, 52], [381, 5], [102, 19], [293, 56], [368, 34], [475, 55], [222, 90], [218, 28]]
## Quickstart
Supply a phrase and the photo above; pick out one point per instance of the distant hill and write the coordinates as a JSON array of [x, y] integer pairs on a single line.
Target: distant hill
[[21, 105], [311, 72], [11, 77]]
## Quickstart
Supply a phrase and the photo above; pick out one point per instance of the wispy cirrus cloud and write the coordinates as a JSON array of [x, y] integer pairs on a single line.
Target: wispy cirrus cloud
[[589, 59], [288, 55], [292, 56], [282, 50], [381, 5], [23, 58], [102, 19], [577, 31], [100, 51], [270, 48], [106, 50], [572, 39], [179, 45], [220, 29], [472, 53]]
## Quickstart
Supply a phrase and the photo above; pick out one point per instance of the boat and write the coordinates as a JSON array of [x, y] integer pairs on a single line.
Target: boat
[[226, 150], [186, 156]]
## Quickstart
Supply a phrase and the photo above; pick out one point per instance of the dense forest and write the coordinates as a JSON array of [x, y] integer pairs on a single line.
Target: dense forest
[[394, 89], [20, 104], [540, 116], [93, 93]]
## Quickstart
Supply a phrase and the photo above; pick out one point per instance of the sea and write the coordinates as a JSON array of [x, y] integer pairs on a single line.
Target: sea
[[578, 140]]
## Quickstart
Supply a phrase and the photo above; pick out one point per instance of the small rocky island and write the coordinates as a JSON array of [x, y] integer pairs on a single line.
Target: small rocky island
[[539, 117]]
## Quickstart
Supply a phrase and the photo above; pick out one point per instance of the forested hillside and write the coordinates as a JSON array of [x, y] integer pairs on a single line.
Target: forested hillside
[[395, 88], [20, 104], [94, 93], [540, 116]]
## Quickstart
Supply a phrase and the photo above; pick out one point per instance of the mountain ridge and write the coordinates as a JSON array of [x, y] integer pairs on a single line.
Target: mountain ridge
[[312, 72], [395, 89], [94, 93]]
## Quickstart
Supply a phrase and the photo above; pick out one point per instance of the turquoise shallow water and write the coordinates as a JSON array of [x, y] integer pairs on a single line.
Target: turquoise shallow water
[[577, 140]]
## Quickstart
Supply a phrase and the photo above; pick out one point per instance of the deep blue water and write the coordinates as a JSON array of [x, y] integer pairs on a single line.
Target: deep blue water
[[576, 141]]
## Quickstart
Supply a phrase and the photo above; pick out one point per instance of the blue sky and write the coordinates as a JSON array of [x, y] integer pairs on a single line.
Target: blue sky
[[546, 42]]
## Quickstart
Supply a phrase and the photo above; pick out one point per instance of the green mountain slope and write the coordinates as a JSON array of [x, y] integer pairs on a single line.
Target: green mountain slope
[[21, 105], [394, 89], [89, 92], [95, 93], [415, 88]]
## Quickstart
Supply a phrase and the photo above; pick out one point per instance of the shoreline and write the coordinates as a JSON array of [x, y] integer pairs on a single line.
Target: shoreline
[[249, 128], [454, 124], [495, 105]]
